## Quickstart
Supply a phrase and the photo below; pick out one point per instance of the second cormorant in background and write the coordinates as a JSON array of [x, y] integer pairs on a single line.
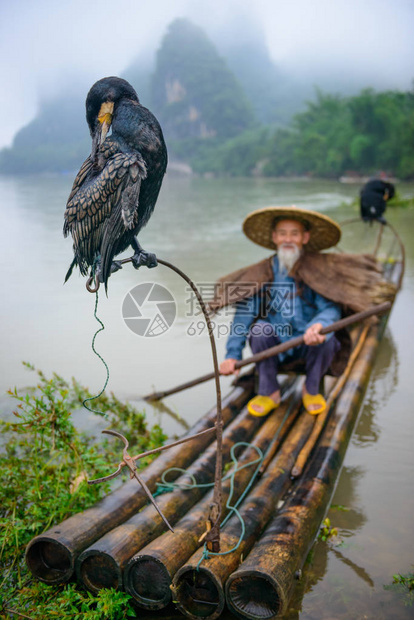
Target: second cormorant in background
[[116, 189], [373, 199]]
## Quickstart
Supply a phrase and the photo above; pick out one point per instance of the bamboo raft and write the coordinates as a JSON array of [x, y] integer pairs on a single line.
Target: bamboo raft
[[122, 543]]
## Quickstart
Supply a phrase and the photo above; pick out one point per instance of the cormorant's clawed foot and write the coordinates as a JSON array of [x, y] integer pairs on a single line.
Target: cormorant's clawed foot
[[144, 259], [116, 266]]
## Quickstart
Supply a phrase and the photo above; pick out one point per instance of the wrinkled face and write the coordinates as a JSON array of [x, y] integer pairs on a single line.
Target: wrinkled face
[[290, 234]]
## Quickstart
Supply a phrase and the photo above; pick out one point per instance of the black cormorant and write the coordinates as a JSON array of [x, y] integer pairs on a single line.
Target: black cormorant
[[373, 199], [116, 189]]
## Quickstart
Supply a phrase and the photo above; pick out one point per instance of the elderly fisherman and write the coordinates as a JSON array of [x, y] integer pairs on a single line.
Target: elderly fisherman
[[286, 307]]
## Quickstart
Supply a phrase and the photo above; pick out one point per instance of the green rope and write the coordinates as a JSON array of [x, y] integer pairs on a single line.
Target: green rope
[[165, 487], [233, 509], [102, 413]]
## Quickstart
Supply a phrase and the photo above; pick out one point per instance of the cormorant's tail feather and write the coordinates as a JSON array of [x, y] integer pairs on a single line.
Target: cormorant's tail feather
[[108, 246], [69, 273], [105, 267]]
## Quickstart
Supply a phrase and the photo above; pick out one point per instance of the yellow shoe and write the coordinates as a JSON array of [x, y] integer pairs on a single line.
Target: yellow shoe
[[314, 399], [267, 404]]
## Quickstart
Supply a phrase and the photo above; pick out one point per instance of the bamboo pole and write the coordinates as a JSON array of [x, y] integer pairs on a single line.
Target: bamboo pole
[[262, 586], [51, 556], [148, 575], [101, 565], [280, 348], [199, 588]]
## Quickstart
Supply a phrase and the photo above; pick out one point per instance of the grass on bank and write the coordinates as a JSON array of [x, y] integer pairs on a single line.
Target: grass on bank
[[44, 466]]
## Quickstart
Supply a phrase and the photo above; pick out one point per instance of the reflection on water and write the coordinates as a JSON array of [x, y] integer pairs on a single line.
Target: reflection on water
[[347, 520], [384, 381], [336, 597], [197, 226]]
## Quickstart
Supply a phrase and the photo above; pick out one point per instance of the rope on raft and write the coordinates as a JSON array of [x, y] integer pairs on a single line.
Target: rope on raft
[[165, 487]]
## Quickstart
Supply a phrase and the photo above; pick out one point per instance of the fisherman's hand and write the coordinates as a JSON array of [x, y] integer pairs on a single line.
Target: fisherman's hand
[[228, 367], [312, 336]]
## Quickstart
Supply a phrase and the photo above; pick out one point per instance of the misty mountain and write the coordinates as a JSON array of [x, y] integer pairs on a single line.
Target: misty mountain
[[194, 93], [274, 96], [57, 140], [139, 73]]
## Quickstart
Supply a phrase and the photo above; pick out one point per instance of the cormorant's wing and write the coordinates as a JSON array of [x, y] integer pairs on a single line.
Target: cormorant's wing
[[94, 197], [84, 171], [124, 216]]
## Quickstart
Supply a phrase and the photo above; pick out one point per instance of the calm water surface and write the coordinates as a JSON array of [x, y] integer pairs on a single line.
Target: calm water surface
[[197, 226]]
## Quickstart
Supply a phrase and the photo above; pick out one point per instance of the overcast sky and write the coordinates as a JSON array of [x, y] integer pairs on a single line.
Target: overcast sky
[[47, 45]]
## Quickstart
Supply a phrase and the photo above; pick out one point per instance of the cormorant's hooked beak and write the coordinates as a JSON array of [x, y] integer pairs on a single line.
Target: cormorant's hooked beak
[[103, 126]]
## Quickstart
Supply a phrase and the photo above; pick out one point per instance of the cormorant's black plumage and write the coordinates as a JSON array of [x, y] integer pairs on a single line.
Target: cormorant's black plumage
[[116, 189]]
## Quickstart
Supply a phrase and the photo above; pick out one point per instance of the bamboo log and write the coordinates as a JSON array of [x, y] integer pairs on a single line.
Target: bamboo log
[[51, 556], [321, 419], [148, 575], [102, 564], [262, 586], [199, 589]]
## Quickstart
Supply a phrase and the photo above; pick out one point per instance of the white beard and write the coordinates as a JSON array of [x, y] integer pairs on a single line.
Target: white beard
[[288, 256]]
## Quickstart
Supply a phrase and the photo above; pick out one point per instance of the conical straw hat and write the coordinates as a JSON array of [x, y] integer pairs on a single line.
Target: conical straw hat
[[259, 225]]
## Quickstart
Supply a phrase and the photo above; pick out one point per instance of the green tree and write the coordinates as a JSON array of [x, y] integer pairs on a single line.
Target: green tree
[[366, 133]]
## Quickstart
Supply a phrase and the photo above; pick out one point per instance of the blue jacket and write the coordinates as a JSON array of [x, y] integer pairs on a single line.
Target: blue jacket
[[289, 313]]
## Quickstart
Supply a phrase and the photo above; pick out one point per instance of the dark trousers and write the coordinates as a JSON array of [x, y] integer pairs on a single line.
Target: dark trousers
[[317, 359]]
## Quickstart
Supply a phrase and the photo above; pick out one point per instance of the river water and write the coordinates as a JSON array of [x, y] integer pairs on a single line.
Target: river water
[[197, 226]]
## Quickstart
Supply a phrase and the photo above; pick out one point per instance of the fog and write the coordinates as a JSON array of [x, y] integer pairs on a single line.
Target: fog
[[48, 47]]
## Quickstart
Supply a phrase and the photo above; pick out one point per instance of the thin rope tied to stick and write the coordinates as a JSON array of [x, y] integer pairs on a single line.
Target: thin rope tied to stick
[[98, 331]]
